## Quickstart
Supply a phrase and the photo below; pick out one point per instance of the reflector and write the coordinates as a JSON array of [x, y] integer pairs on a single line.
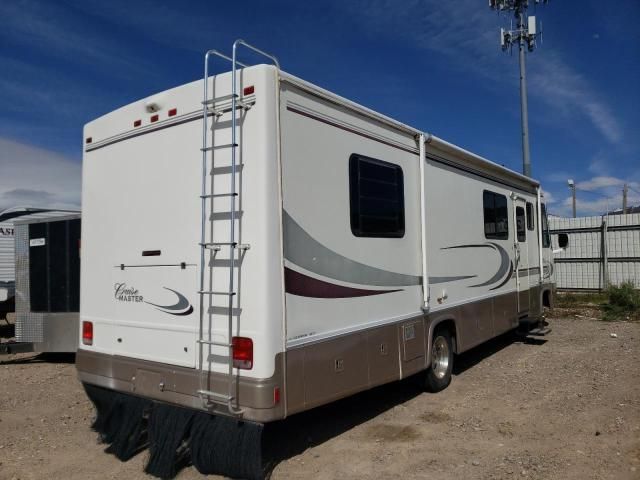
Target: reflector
[[87, 333]]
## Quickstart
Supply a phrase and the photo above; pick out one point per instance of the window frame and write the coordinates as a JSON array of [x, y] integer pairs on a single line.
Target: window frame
[[531, 225], [521, 235], [355, 197], [495, 236]]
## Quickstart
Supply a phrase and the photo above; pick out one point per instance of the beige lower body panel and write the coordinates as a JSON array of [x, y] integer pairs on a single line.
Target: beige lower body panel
[[179, 385], [317, 373]]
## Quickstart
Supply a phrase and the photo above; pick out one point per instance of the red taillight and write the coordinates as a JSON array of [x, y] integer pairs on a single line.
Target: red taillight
[[242, 353], [276, 395], [154, 118], [173, 112], [137, 123], [248, 90], [87, 333]]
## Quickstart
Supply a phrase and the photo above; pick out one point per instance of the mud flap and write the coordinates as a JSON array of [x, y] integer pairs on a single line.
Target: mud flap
[[176, 436]]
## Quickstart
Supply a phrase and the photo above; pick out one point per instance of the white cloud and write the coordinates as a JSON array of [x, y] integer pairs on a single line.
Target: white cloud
[[470, 42], [547, 197], [597, 183], [31, 176]]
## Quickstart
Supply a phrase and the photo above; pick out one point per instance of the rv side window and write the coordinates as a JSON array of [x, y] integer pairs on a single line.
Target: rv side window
[[530, 220], [522, 233], [496, 216], [376, 191], [546, 238]]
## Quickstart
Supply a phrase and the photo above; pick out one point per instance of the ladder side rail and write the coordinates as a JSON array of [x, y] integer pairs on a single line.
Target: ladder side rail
[[203, 219], [232, 200]]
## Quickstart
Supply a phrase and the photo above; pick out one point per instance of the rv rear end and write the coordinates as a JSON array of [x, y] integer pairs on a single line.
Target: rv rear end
[[143, 230]]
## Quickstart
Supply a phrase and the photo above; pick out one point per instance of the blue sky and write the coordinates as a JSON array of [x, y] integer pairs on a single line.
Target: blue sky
[[432, 64]]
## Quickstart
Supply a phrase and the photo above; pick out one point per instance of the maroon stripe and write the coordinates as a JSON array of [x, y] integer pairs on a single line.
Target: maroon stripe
[[298, 284], [350, 130]]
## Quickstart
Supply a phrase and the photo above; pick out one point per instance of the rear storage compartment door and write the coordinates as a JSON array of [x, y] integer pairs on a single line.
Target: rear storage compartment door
[[155, 315]]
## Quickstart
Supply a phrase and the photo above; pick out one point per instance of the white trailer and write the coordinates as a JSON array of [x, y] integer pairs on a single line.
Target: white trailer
[[254, 246], [8, 217]]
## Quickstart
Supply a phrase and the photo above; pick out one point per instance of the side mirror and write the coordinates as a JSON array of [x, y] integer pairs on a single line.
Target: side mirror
[[563, 240]]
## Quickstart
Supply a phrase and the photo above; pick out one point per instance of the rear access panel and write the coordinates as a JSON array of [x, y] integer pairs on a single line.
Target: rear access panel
[[155, 315]]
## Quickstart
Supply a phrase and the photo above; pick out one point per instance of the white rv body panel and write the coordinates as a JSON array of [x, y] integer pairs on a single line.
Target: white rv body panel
[[141, 192], [317, 139]]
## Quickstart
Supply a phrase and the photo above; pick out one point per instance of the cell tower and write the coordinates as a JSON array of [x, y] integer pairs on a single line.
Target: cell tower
[[524, 35]]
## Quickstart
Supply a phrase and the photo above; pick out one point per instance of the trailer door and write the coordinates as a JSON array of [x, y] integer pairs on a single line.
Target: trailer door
[[521, 255]]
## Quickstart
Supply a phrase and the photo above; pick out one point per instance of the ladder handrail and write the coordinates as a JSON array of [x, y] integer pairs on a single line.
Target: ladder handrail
[[203, 219], [234, 246]]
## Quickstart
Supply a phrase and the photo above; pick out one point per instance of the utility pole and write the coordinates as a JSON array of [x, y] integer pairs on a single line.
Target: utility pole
[[572, 186], [625, 191], [525, 36]]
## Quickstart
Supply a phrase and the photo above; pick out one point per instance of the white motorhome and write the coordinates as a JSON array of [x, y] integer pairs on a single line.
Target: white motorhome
[[267, 246]]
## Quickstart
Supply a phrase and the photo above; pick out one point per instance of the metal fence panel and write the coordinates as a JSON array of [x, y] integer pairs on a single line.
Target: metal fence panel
[[585, 264]]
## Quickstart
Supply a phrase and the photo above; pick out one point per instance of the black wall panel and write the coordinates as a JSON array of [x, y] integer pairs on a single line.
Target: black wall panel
[[54, 268]]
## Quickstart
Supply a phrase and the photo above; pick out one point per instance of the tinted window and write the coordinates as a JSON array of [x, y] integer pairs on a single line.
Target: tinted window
[[376, 191], [530, 220], [522, 233], [496, 216]]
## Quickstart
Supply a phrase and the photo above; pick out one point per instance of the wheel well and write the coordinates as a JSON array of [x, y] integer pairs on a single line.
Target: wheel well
[[449, 325]]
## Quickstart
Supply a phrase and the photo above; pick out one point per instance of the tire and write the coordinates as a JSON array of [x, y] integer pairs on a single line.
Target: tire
[[438, 375]]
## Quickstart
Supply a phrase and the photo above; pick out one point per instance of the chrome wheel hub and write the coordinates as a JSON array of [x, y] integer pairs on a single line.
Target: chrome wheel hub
[[440, 357]]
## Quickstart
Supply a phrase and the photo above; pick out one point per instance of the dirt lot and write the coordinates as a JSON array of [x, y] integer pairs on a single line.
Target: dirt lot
[[565, 408]]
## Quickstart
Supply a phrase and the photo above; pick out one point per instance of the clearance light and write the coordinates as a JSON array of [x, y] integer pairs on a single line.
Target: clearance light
[[173, 112], [248, 90], [89, 140], [154, 118], [276, 395], [87, 333], [137, 123], [242, 352]]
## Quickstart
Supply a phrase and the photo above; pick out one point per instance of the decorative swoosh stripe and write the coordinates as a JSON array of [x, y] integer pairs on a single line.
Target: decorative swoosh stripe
[[511, 270], [306, 252], [504, 262], [177, 308], [302, 285]]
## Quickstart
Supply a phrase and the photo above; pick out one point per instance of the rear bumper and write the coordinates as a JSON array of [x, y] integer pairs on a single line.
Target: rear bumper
[[179, 385]]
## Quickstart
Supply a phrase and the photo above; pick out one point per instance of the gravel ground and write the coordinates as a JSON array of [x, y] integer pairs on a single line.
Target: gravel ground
[[567, 407]]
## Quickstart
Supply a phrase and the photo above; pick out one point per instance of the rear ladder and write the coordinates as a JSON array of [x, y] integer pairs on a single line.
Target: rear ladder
[[212, 107]]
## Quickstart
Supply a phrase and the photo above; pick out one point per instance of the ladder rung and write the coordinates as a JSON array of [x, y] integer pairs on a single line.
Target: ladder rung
[[217, 310], [240, 105], [217, 344], [218, 147], [226, 398], [213, 245], [226, 170], [220, 99], [216, 195], [207, 292]]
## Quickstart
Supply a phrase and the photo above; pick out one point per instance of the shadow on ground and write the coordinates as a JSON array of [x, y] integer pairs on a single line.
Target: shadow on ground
[[67, 358], [288, 438]]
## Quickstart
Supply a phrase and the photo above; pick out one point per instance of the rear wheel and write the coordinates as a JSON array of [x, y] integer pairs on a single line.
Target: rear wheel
[[438, 375]]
